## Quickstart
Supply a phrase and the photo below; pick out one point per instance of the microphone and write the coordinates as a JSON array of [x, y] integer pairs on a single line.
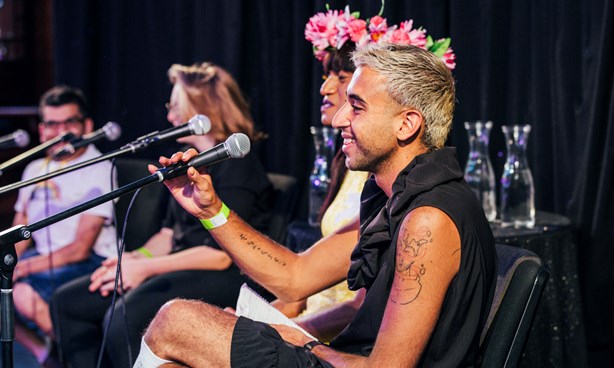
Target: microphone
[[110, 131], [19, 138], [236, 146], [197, 125]]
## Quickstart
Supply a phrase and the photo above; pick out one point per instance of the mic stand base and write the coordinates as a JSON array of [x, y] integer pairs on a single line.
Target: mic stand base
[[8, 238]]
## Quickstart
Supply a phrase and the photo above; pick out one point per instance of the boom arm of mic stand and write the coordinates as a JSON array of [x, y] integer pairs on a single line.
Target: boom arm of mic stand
[[34, 151], [132, 147]]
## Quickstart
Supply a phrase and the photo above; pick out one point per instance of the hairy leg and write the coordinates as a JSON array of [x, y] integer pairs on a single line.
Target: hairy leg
[[191, 333]]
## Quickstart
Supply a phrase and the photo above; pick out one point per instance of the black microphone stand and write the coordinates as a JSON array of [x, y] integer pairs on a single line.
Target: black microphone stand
[[9, 237], [137, 145]]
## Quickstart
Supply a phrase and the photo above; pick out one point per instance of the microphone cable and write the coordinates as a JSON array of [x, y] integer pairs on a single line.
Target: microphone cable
[[119, 248], [118, 283], [49, 251], [58, 338], [47, 209]]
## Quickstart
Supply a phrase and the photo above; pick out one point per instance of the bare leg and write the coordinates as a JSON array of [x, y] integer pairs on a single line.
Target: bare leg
[[191, 333], [32, 306]]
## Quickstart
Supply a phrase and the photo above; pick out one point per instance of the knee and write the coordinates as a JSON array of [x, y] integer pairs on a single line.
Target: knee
[[22, 294], [184, 323], [169, 319]]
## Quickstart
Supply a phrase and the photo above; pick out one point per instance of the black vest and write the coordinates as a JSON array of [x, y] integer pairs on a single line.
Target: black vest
[[433, 179]]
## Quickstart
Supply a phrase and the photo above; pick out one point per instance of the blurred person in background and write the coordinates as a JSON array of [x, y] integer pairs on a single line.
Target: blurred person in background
[[72, 247]]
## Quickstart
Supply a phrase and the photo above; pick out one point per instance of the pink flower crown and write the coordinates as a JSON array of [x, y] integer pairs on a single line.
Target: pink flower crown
[[331, 30]]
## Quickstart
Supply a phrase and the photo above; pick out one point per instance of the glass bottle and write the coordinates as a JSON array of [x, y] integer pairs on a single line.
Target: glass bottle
[[478, 172], [319, 180], [517, 191]]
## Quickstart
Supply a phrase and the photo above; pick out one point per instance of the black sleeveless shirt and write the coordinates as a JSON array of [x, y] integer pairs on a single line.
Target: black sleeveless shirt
[[432, 179]]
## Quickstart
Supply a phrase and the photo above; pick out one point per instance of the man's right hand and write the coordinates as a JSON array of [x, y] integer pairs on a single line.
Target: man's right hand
[[194, 191]]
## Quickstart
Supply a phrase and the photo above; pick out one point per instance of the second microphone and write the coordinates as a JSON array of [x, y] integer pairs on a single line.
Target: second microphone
[[110, 131]]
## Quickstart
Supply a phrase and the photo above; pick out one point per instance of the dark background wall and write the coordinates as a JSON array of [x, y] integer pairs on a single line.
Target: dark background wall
[[546, 63]]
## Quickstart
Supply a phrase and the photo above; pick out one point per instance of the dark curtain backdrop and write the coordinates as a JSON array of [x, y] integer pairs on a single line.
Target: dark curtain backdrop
[[548, 63]]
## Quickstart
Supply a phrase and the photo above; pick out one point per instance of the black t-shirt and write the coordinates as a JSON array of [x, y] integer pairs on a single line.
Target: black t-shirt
[[243, 185]]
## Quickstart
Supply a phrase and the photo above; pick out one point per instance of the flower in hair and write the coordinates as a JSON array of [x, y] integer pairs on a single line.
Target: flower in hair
[[331, 30]]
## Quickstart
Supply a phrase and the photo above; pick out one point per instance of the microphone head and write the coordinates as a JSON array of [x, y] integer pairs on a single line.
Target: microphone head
[[199, 124], [67, 137], [112, 130], [21, 137], [237, 145]]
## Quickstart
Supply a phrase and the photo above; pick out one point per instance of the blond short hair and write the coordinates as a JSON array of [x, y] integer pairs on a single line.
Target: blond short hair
[[417, 79]]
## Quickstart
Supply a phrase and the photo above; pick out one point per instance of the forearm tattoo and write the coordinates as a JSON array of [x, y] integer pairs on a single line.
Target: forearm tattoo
[[263, 252], [410, 268]]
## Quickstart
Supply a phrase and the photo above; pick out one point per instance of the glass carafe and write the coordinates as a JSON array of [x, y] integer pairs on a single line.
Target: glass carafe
[[319, 180], [517, 191], [478, 172]]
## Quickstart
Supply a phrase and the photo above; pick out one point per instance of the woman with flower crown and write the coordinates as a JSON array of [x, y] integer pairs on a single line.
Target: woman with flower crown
[[334, 36]]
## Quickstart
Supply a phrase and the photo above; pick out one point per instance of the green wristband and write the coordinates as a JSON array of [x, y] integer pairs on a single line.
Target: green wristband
[[218, 220], [144, 251]]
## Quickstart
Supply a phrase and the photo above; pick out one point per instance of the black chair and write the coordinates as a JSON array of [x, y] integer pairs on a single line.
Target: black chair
[[149, 208], [286, 199], [520, 283]]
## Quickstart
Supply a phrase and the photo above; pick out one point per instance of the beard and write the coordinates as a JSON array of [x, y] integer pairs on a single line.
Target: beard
[[368, 160]]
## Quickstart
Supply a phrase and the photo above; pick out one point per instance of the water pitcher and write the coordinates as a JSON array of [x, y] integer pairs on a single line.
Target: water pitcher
[[517, 191], [324, 142], [478, 172]]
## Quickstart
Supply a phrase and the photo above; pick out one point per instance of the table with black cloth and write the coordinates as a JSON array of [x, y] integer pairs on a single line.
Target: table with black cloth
[[557, 336]]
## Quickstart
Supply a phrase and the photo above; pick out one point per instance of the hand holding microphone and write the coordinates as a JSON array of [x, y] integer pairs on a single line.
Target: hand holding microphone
[[110, 131], [194, 191]]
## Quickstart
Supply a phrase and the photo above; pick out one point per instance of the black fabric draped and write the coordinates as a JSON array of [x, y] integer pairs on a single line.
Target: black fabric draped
[[377, 227], [545, 63]]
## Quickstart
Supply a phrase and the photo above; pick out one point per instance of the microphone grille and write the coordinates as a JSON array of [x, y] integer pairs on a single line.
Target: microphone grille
[[199, 124], [22, 138], [67, 137], [238, 145], [112, 130]]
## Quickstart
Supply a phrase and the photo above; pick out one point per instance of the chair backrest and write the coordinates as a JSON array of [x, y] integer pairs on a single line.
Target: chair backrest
[[286, 196], [149, 208], [521, 278]]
